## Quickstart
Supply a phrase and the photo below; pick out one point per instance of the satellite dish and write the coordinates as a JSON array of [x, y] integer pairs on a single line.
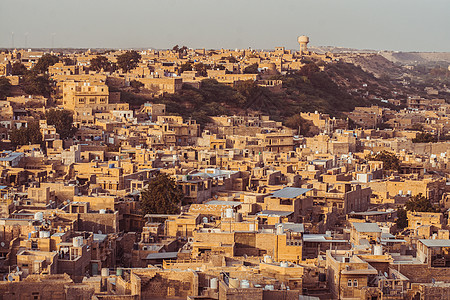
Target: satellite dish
[[10, 278], [3, 244], [386, 275], [99, 232], [17, 269]]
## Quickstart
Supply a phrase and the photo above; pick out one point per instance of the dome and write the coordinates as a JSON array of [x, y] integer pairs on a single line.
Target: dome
[[303, 39]]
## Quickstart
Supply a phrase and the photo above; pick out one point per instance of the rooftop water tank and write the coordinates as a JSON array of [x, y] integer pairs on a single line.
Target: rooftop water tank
[[268, 259], [214, 283], [245, 284], [77, 241], [284, 264], [39, 216], [229, 213], [105, 272], [377, 250], [238, 217], [44, 234], [234, 283], [280, 229]]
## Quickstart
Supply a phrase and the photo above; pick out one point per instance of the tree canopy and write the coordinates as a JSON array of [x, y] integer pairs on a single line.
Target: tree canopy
[[162, 196], [402, 219], [424, 137], [26, 135], [128, 61], [187, 66], [63, 122], [420, 203], [18, 69], [35, 84], [5, 87], [201, 69], [100, 62], [297, 122], [44, 62], [390, 160], [252, 69]]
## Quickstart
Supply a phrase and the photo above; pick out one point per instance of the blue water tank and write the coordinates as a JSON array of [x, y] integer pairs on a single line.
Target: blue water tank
[[111, 166]]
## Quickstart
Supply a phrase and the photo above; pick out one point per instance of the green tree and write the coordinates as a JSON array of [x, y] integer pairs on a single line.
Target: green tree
[[5, 87], [297, 122], [63, 122], [201, 69], [128, 61], [26, 135], [402, 218], [44, 62], [424, 137], [252, 69], [420, 203], [390, 160], [18, 69], [136, 85], [162, 196], [308, 69], [35, 84], [187, 66], [100, 62], [69, 61]]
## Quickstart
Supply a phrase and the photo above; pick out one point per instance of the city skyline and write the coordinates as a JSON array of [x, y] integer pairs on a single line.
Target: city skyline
[[395, 26]]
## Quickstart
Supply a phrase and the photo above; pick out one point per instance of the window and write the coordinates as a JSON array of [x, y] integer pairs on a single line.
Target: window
[[355, 283], [349, 283]]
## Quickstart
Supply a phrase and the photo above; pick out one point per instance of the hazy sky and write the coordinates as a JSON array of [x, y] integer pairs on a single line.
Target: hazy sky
[[404, 25]]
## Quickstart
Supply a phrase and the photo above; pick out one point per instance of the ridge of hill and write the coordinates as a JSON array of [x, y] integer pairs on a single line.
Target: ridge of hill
[[329, 91]]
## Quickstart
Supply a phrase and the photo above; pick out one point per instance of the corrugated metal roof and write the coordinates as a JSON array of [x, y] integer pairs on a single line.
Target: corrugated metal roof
[[275, 213], [366, 227], [219, 202], [294, 227], [290, 192], [162, 255], [435, 243]]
